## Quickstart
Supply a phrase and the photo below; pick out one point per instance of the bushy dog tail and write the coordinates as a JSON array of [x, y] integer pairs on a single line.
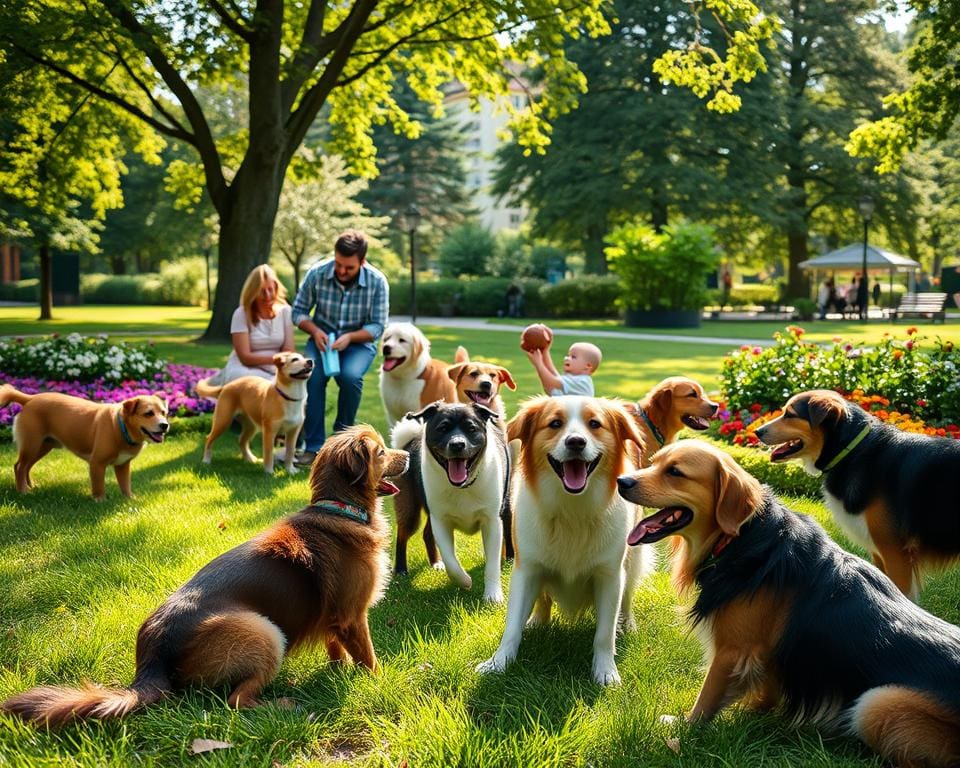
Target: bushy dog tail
[[56, 706], [10, 395], [404, 432], [204, 389], [461, 355]]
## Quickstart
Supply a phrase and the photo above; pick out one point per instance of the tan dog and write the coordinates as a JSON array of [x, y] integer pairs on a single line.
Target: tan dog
[[273, 408], [674, 403], [409, 378], [102, 434], [310, 578], [791, 621], [479, 383]]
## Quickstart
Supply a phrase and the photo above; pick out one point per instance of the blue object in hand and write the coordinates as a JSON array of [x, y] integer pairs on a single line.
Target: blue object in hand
[[331, 358]]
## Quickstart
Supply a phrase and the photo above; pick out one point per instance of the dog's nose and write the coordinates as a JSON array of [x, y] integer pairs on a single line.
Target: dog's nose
[[386, 350], [486, 386], [714, 407], [760, 431], [625, 482], [575, 443], [164, 426], [308, 364], [457, 446]]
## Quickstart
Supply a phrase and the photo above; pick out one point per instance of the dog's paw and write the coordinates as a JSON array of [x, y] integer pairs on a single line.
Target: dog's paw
[[439, 566], [464, 582], [495, 663], [207, 458], [605, 673], [291, 469], [626, 624], [494, 596]]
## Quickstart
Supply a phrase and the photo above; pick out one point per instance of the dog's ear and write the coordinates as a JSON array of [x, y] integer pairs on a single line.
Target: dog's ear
[[425, 414], [461, 355], [456, 371], [279, 358], [353, 460], [624, 424], [485, 413], [524, 423], [737, 495], [506, 378], [130, 406], [820, 408], [662, 401], [633, 409]]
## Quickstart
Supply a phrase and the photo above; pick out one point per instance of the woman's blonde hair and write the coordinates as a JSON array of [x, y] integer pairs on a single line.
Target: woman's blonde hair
[[260, 274]]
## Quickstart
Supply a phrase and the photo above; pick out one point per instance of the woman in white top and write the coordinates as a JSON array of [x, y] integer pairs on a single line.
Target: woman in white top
[[261, 326]]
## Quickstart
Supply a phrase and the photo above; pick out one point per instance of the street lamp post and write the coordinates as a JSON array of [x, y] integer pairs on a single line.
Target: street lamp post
[[863, 290], [412, 221]]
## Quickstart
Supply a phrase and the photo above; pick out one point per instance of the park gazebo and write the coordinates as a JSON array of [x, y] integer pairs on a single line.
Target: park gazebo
[[850, 257]]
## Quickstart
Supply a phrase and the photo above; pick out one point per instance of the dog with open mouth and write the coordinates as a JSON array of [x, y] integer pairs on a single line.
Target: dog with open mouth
[[479, 382], [310, 578], [790, 620], [272, 407], [674, 403], [410, 379], [570, 525], [459, 473], [103, 434], [892, 492]]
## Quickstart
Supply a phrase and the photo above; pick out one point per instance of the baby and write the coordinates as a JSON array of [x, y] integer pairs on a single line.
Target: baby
[[580, 363]]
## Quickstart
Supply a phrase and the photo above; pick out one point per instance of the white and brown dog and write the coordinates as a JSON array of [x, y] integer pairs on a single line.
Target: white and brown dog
[[570, 524], [271, 407], [410, 379]]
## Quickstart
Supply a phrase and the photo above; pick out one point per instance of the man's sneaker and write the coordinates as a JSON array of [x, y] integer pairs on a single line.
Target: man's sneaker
[[304, 458]]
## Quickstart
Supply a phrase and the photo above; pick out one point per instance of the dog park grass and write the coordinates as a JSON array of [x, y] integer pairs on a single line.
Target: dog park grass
[[77, 578]]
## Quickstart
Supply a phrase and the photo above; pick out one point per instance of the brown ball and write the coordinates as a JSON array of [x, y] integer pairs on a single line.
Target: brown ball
[[536, 336]]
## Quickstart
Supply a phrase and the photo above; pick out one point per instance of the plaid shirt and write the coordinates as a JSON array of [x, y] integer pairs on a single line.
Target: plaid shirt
[[365, 304]]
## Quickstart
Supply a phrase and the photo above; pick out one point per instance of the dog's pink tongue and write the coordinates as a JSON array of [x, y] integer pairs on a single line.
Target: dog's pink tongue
[[575, 474], [637, 534], [389, 363], [457, 471]]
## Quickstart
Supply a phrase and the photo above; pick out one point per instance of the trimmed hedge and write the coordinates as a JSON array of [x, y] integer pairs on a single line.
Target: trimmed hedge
[[23, 290]]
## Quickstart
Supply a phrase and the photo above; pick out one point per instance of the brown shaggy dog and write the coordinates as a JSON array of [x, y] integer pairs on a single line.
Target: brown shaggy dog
[[311, 577], [674, 403], [103, 434]]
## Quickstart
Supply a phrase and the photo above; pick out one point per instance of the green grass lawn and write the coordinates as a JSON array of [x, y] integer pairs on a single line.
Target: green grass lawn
[[77, 578]]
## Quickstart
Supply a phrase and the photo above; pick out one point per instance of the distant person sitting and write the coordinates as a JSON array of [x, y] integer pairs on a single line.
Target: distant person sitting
[[876, 294], [579, 365], [261, 326], [826, 296]]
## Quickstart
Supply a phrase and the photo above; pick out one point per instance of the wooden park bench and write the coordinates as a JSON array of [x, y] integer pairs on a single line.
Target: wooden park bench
[[924, 305]]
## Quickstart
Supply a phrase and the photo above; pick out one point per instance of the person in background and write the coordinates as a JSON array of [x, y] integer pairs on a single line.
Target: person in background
[[876, 293], [342, 304], [261, 326], [825, 297], [863, 297]]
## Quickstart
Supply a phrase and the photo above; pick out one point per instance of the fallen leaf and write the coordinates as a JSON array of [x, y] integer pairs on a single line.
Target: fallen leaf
[[674, 744], [200, 746], [222, 525]]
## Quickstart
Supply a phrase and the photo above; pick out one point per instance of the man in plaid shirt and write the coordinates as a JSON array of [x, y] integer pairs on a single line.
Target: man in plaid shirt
[[349, 299]]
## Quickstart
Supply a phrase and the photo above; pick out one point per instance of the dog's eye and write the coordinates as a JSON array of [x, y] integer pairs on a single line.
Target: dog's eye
[[556, 424], [382, 453], [474, 374], [693, 394], [443, 426], [148, 414], [674, 470], [594, 424]]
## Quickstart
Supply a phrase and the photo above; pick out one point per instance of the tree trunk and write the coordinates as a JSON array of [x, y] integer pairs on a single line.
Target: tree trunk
[[595, 260], [246, 229], [46, 282], [798, 283]]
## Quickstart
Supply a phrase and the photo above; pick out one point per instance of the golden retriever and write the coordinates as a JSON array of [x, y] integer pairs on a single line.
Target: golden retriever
[[674, 403]]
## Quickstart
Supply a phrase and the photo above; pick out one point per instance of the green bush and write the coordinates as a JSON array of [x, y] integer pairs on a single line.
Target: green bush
[[787, 477], [585, 296], [22, 290], [662, 271], [180, 283], [114, 289]]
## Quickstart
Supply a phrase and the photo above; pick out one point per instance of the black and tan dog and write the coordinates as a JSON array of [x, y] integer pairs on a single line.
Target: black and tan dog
[[790, 619], [892, 492], [310, 578]]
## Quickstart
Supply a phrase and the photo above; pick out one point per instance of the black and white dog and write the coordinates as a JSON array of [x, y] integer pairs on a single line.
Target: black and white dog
[[460, 474]]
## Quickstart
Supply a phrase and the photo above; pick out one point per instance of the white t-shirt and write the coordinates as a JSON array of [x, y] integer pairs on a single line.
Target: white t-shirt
[[265, 337], [574, 384]]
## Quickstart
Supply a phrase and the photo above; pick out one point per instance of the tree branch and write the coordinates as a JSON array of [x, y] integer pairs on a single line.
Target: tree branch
[[230, 22]]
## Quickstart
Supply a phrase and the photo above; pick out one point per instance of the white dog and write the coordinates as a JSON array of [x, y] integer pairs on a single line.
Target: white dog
[[571, 525]]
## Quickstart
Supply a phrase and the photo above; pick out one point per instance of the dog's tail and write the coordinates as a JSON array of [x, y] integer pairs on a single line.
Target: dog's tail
[[10, 395], [404, 432], [461, 355], [56, 706], [205, 389]]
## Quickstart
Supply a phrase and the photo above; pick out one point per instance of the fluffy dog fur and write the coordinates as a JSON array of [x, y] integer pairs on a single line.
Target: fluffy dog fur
[[571, 526], [409, 378], [478, 382], [459, 473], [674, 403], [273, 408], [789, 619], [311, 577], [102, 434], [894, 493]]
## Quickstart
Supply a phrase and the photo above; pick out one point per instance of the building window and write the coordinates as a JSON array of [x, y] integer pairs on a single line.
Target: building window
[[515, 218], [518, 100]]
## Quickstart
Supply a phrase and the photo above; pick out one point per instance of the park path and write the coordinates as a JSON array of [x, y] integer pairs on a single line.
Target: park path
[[479, 324]]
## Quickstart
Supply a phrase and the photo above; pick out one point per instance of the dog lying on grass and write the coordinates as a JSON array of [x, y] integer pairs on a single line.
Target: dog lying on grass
[[310, 578]]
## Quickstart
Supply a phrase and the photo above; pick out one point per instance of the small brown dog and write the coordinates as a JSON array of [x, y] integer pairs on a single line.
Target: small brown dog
[[674, 403], [480, 383], [311, 577], [273, 408], [103, 434]]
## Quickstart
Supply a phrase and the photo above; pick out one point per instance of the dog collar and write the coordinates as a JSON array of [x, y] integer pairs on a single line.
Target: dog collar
[[651, 425], [124, 432], [285, 396], [341, 509], [718, 548], [853, 444]]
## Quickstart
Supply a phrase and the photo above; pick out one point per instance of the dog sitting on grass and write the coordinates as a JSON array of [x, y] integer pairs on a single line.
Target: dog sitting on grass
[[311, 577]]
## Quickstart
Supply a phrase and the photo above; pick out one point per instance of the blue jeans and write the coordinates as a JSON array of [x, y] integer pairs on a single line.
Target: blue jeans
[[355, 360]]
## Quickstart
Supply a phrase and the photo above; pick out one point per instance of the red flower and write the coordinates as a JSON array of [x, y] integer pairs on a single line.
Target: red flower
[[909, 345], [911, 330]]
